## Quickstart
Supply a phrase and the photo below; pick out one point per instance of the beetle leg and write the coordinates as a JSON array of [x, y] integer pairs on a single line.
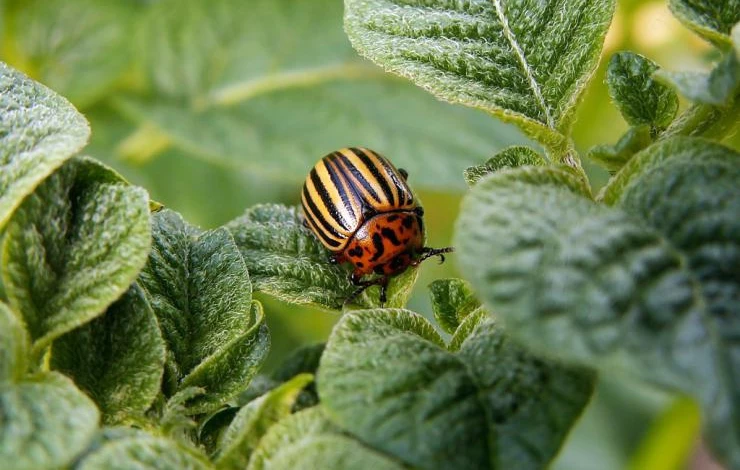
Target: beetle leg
[[304, 222], [383, 286], [419, 211], [429, 252], [381, 281], [404, 174]]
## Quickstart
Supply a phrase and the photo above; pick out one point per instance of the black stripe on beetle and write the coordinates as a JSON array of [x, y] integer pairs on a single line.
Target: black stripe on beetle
[[378, 177]]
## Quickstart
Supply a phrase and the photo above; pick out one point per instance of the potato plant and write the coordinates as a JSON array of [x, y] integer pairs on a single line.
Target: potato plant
[[132, 338]]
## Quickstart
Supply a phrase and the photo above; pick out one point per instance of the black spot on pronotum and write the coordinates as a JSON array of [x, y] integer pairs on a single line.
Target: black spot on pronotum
[[360, 264], [392, 218], [408, 221], [355, 252], [378, 245], [390, 235]]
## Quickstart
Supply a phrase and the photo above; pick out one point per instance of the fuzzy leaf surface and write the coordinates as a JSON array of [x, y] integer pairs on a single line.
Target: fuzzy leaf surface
[[711, 19], [13, 346], [640, 98], [200, 290], [80, 48], [253, 420], [452, 301], [308, 440], [510, 157], [144, 451], [287, 261], [582, 281], [46, 422], [387, 377], [117, 358], [692, 198], [525, 61], [614, 157], [39, 130], [73, 247], [273, 100]]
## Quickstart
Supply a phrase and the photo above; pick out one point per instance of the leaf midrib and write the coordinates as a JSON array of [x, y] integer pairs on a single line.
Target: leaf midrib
[[245, 90], [509, 34]]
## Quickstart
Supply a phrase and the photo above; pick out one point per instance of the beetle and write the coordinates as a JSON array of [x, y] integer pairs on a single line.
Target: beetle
[[362, 210]]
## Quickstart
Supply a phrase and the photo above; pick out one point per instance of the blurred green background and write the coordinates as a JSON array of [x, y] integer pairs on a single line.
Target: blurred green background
[[214, 106]]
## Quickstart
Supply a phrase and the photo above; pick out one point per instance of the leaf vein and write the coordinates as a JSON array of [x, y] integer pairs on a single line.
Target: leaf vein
[[523, 61]]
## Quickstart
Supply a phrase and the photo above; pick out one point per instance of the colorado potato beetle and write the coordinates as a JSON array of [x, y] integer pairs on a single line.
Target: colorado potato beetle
[[360, 207]]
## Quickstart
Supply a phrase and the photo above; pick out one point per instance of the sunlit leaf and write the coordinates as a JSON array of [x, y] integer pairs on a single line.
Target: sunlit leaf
[[39, 130], [510, 157], [199, 288], [73, 247], [525, 61], [640, 98]]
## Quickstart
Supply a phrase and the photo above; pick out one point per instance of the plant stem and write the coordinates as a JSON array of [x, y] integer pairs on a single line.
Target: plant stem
[[567, 155]]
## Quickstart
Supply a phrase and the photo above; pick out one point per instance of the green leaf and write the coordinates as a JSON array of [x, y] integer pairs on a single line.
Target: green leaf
[[581, 281], [253, 421], [308, 440], [80, 48], [550, 175], [13, 346], [687, 190], [273, 91], [72, 248], [145, 451], [118, 358], [200, 290], [640, 98], [711, 19], [39, 130], [718, 87], [387, 377], [511, 157], [526, 62], [614, 157], [287, 261], [227, 373], [452, 301], [676, 148], [46, 422]]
